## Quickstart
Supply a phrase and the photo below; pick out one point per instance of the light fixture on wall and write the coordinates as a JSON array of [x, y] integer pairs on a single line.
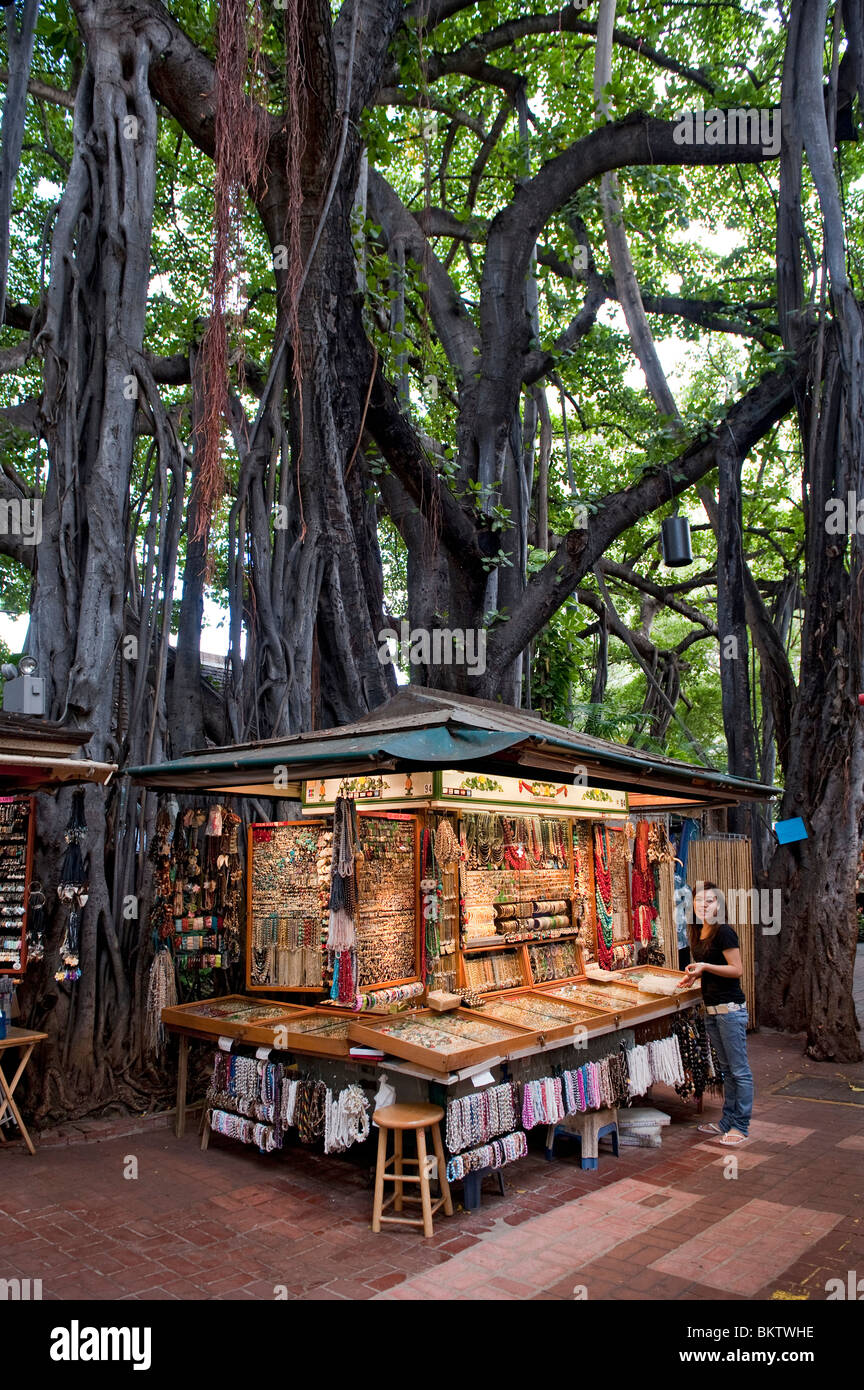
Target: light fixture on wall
[[23, 690]]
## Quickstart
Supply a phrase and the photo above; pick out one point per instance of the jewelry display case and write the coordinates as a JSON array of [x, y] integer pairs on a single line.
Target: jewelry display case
[[318, 1031], [553, 1019], [624, 1001], [231, 1016], [443, 1042], [594, 995]]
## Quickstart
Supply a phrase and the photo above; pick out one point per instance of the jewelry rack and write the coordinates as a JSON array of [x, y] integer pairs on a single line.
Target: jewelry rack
[[17, 821]]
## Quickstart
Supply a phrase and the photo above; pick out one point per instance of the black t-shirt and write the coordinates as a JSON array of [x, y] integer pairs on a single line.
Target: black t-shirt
[[719, 989]]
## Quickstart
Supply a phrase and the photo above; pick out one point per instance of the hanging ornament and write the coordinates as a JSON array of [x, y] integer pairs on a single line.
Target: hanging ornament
[[35, 921], [161, 994], [72, 889]]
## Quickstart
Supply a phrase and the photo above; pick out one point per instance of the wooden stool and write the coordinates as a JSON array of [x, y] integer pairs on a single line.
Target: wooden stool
[[419, 1118], [587, 1127]]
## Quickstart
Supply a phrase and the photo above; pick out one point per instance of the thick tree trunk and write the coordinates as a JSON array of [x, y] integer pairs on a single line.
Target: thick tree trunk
[[806, 968], [732, 625], [186, 700], [19, 46], [91, 341]]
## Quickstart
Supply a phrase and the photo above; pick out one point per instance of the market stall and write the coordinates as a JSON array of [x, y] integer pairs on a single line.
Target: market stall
[[463, 900]]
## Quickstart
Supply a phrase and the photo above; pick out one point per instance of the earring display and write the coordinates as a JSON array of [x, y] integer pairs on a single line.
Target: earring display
[[312, 1031], [16, 852]]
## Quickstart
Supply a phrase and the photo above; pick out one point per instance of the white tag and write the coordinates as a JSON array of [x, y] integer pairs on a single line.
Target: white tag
[[484, 1078], [225, 1044], [262, 1053]]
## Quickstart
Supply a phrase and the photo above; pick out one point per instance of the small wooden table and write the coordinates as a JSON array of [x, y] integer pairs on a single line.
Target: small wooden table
[[24, 1038]]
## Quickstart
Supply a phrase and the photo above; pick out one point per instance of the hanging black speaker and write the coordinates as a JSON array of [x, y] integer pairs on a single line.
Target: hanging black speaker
[[675, 540]]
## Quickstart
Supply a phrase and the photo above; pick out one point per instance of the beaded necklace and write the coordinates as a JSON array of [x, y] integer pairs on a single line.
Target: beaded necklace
[[603, 895]]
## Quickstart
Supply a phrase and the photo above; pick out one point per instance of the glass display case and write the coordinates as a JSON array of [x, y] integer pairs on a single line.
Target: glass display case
[[443, 1042]]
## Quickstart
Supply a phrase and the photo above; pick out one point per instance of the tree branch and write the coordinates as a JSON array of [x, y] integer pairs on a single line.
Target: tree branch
[[747, 421], [565, 20], [57, 96], [452, 323]]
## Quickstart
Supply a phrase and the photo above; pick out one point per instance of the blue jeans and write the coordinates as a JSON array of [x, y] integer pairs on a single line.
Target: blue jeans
[[728, 1034]]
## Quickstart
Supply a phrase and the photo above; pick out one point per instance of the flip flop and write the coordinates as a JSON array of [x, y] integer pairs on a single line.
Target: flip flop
[[709, 1129], [733, 1143]]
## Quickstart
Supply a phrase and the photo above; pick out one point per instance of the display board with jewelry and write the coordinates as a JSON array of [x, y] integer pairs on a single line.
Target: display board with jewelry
[[554, 960], [198, 883], [519, 842], [583, 887], [489, 971], [518, 887], [387, 899], [441, 853], [287, 904], [16, 857], [611, 866]]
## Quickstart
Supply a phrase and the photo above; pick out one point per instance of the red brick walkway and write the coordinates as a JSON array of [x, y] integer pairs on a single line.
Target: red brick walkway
[[657, 1224]]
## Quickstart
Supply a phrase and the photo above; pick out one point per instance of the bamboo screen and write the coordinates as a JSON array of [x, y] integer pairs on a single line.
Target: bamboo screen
[[727, 861]]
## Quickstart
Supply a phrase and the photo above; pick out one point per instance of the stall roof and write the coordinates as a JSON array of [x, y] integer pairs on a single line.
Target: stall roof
[[37, 753], [420, 729]]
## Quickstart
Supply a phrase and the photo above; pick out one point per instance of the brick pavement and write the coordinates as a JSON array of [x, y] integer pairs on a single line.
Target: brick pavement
[[656, 1223]]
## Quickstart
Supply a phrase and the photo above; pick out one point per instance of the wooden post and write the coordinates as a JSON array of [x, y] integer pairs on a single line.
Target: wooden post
[[182, 1074]]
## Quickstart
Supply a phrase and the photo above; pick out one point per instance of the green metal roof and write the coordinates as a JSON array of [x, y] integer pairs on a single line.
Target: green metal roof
[[420, 729]]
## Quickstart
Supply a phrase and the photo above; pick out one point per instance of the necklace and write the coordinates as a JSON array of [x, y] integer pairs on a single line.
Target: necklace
[[603, 895]]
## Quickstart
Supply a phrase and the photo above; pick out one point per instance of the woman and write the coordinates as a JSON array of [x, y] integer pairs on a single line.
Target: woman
[[716, 963]]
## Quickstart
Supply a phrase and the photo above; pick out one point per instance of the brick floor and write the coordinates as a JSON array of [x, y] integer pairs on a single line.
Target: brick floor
[[683, 1222]]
